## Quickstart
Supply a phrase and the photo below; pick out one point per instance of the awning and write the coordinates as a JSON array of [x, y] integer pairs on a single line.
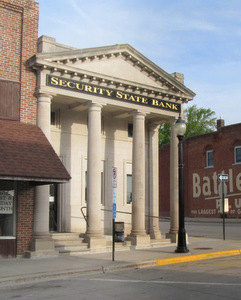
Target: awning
[[27, 155]]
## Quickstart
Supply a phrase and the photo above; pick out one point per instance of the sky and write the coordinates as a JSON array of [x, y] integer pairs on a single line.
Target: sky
[[199, 38]]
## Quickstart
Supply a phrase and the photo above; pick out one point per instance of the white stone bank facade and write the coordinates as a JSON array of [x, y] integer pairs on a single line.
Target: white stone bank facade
[[102, 108]]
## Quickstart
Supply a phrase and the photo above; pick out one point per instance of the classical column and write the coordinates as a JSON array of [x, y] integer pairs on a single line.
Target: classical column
[[138, 234], [154, 181], [173, 185], [41, 237], [94, 232]]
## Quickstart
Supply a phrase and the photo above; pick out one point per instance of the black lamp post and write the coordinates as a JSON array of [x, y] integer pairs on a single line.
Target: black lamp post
[[180, 129]]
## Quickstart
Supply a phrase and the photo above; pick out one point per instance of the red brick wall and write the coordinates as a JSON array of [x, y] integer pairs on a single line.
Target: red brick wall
[[18, 42], [201, 183], [25, 210], [18, 39]]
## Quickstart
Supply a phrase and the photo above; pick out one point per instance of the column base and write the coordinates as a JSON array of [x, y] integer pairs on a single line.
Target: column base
[[41, 247], [95, 243], [172, 236], [155, 235], [139, 240]]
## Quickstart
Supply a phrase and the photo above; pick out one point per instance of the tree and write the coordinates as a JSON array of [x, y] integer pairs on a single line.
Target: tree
[[198, 121]]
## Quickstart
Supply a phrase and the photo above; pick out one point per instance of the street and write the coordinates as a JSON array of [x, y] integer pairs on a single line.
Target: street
[[214, 279], [218, 278], [209, 228]]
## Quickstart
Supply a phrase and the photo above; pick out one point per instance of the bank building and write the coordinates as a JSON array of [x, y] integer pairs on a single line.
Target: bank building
[[101, 109], [79, 141]]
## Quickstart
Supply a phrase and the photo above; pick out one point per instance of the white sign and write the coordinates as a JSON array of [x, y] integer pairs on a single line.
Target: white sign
[[226, 206], [114, 177], [223, 177], [222, 189], [6, 203]]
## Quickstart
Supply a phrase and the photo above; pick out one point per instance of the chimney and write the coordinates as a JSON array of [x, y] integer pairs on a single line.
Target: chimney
[[220, 124], [178, 76]]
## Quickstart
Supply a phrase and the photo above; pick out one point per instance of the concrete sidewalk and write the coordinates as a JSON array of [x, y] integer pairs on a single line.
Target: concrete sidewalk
[[20, 270]]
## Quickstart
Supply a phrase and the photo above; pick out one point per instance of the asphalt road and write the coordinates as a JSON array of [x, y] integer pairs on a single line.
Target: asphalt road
[[214, 279], [208, 228]]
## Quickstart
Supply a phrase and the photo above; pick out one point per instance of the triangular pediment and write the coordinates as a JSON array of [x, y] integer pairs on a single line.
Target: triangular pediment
[[121, 64]]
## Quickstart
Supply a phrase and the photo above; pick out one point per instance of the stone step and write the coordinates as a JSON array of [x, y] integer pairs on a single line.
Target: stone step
[[64, 236]]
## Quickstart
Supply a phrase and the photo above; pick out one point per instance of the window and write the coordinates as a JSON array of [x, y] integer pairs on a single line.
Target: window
[[130, 130], [129, 189], [237, 154], [7, 211], [102, 188], [209, 158], [53, 118]]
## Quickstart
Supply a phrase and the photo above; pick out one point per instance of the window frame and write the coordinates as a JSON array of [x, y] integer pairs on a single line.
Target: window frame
[[235, 155], [209, 162]]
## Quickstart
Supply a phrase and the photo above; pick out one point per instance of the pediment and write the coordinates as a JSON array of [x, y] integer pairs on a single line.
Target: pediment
[[121, 64]]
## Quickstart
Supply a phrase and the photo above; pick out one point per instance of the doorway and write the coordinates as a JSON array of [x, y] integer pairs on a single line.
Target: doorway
[[53, 208]]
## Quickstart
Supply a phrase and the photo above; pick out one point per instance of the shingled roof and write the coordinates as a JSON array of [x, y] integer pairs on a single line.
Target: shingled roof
[[26, 154]]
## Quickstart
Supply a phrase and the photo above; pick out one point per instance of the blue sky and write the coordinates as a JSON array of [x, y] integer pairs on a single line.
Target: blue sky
[[199, 38]]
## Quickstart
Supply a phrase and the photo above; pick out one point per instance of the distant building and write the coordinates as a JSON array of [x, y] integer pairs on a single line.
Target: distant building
[[205, 157]]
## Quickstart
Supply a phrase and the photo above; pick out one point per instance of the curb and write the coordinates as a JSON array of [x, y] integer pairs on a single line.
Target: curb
[[189, 258], [40, 277]]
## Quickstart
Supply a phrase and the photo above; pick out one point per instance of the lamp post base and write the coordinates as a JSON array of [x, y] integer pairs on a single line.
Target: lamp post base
[[181, 243], [182, 250]]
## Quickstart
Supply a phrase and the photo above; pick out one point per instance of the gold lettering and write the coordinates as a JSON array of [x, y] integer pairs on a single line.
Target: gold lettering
[[174, 107], [79, 86], [109, 92], [119, 95], [168, 105], [95, 89], [144, 100], [125, 96], [54, 81], [155, 102], [101, 91], [132, 98], [71, 84], [63, 82], [88, 88]]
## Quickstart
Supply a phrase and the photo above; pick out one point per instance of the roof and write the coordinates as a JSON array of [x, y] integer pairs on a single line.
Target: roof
[[26, 154]]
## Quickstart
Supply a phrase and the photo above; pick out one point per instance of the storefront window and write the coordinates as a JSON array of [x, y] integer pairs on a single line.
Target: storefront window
[[7, 205], [129, 189]]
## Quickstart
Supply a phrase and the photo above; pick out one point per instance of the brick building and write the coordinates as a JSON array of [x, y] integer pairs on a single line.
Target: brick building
[[205, 157], [26, 157]]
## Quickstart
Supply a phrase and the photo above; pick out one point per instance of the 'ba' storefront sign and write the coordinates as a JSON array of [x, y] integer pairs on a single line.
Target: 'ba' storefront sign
[[87, 88]]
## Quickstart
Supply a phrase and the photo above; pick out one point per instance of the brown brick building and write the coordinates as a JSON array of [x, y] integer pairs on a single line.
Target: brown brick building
[[26, 157], [205, 157]]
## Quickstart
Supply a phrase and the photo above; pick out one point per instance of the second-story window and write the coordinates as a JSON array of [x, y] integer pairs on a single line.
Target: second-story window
[[209, 159], [237, 155]]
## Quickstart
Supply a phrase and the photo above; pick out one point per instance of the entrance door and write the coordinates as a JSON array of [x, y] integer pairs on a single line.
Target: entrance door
[[53, 208], [7, 219]]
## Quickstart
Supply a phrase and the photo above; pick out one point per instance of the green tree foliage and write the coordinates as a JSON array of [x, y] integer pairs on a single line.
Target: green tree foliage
[[198, 121]]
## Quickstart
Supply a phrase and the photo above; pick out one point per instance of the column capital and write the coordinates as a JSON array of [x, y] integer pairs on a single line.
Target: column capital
[[42, 97], [139, 113], [92, 104], [154, 127]]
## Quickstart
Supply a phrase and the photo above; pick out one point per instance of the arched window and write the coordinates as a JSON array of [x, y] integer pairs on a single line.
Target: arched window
[[209, 157]]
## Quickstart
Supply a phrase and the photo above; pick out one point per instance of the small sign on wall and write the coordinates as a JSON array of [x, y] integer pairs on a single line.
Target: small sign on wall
[[6, 202]]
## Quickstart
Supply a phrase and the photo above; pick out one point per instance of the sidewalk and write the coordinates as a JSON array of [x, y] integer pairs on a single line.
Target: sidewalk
[[20, 270]]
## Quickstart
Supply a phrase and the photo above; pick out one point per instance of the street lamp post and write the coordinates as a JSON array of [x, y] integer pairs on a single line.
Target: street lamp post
[[180, 129]]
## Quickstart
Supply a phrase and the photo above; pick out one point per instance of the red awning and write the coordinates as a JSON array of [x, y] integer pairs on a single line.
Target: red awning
[[27, 155]]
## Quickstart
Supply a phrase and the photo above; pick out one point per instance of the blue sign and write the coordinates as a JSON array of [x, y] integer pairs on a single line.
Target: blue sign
[[114, 210]]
